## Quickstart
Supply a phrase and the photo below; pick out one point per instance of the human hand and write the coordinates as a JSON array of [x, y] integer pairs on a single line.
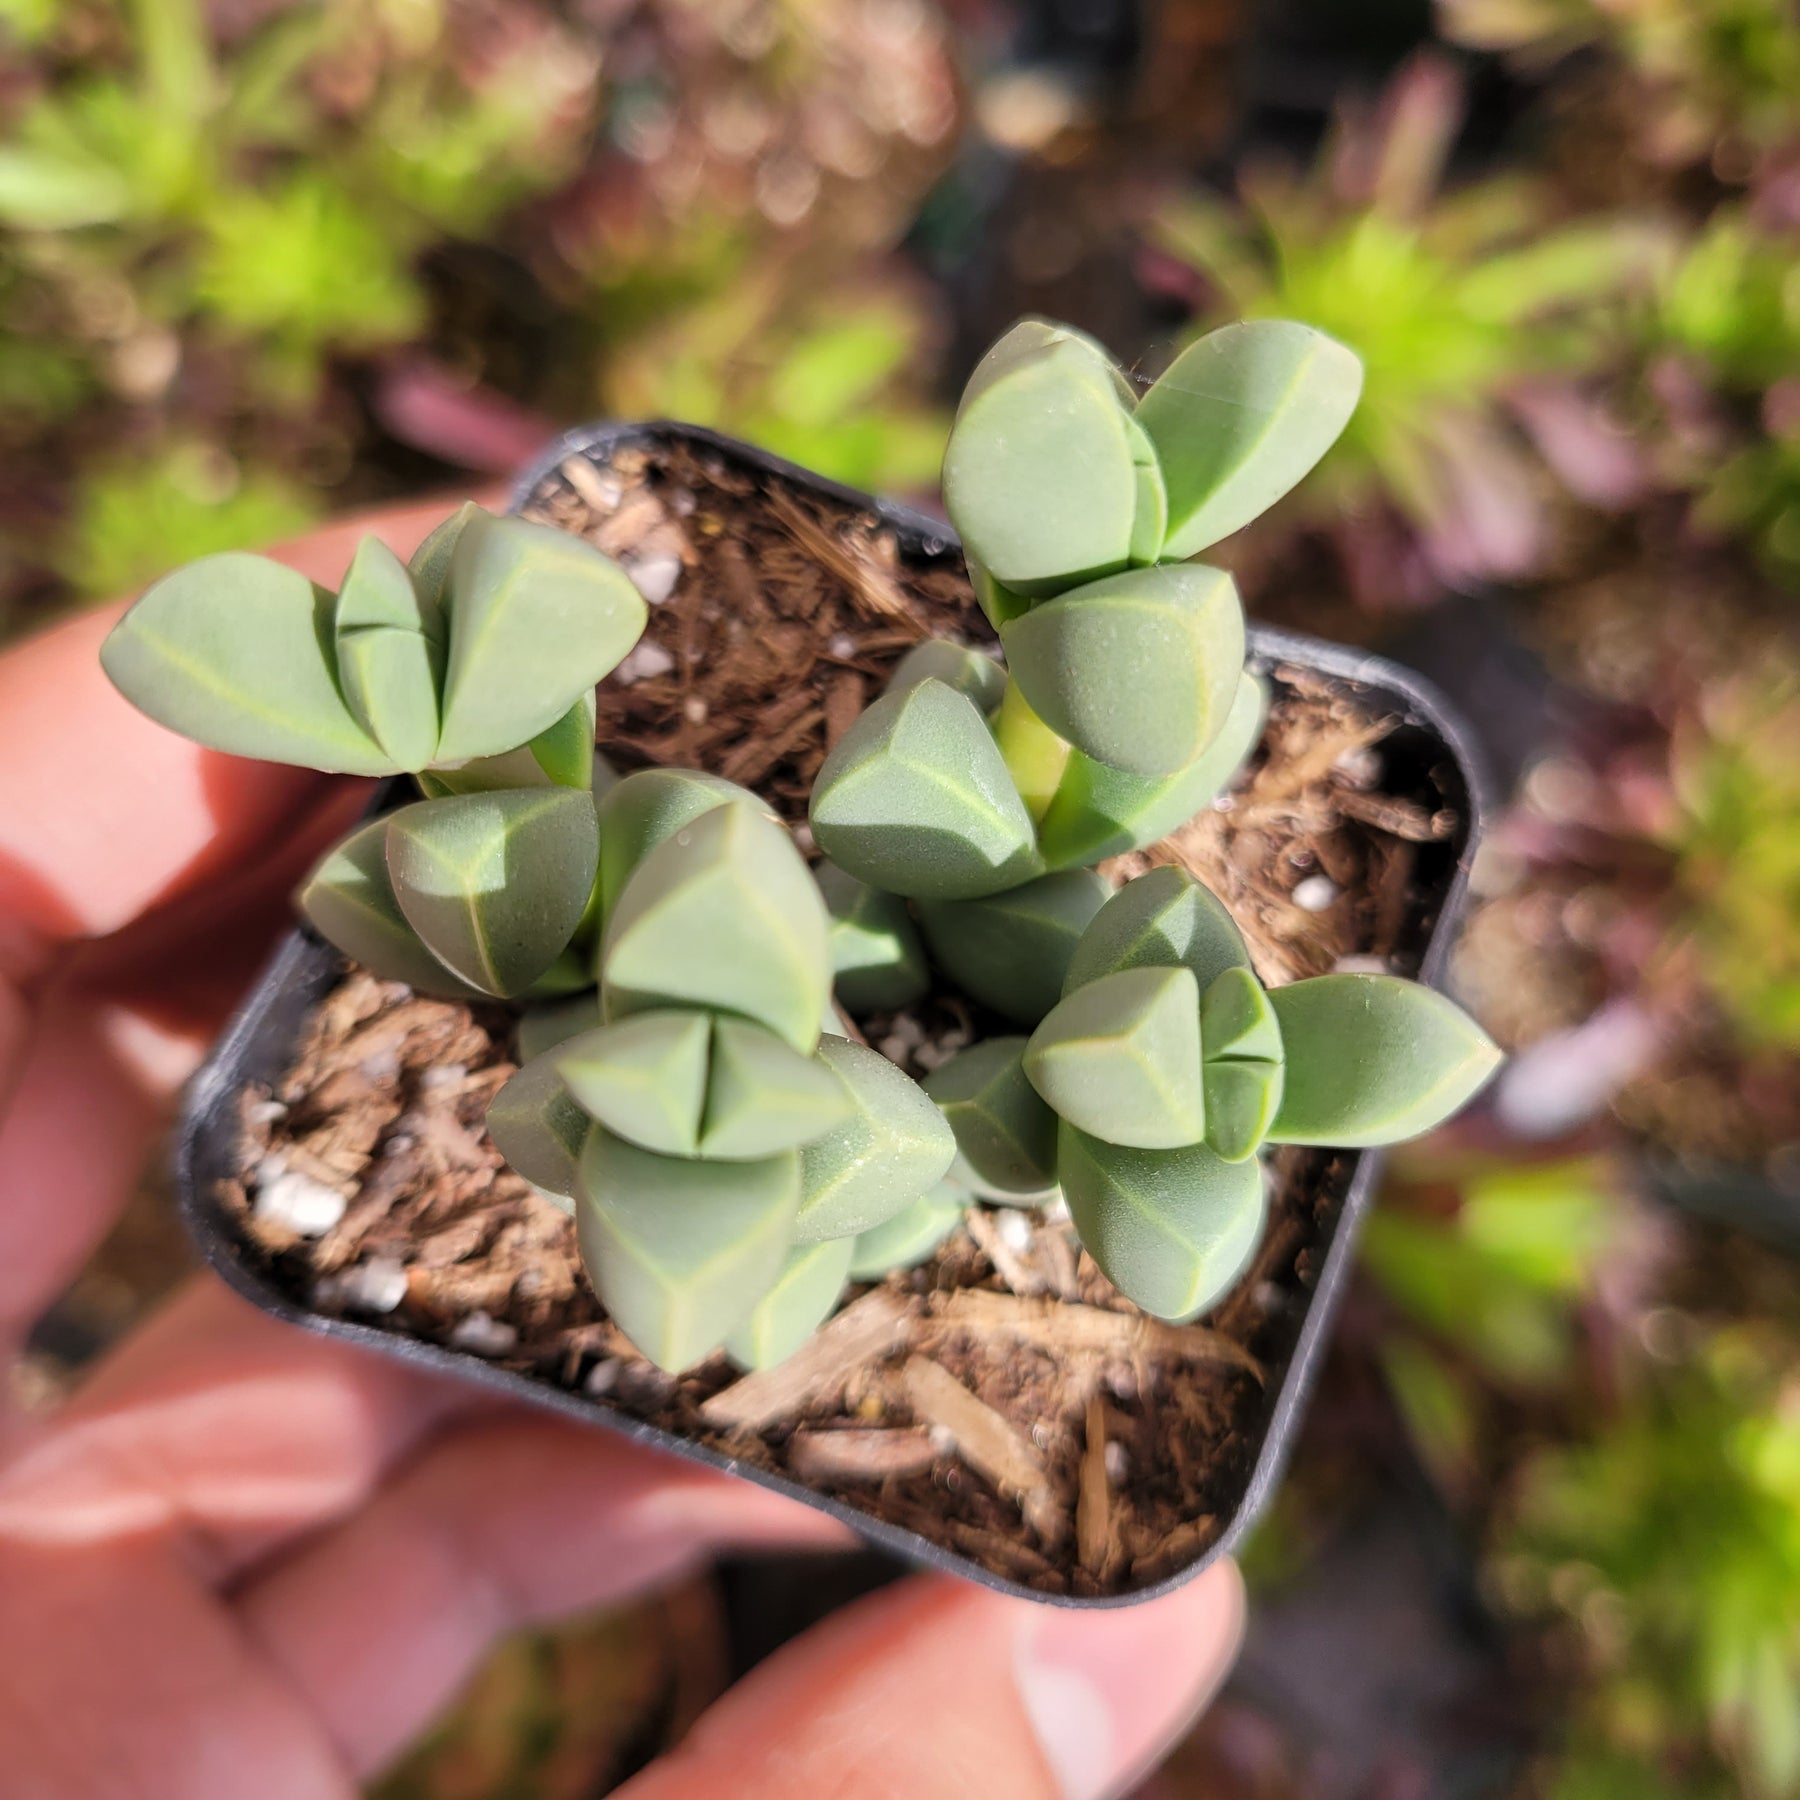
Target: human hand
[[245, 1560]]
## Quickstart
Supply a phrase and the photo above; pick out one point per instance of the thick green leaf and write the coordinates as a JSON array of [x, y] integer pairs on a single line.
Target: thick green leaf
[[916, 799], [1241, 1101], [1372, 1059], [349, 900], [1150, 521], [1237, 1020], [537, 617], [565, 750], [644, 1078], [638, 813], [1099, 812], [1011, 951], [723, 914], [571, 973], [1121, 1059], [1039, 475], [763, 1095], [1138, 670], [495, 884], [805, 1294], [1005, 1135], [891, 1149], [430, 564], [1036, 758], [1171, 1229], [390, 654], [878, 963], [681, 1251], [910, 1236], [971, 672], [1239, 417], [538, 1128], [543, 1027], [1162, 918], [234, 651], [1000, 604]]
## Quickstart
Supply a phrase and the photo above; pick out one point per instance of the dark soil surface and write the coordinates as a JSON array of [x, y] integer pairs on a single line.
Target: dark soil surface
[[1003, 1400]]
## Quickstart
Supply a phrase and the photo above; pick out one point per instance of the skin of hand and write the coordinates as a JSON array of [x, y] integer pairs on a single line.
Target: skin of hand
[[241, 1559]]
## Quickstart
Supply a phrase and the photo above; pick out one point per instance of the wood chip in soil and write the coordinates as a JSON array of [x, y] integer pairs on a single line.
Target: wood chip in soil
[[783, 613]]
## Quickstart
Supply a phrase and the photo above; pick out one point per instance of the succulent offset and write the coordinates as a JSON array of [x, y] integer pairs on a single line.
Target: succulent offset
[[690, 1087]]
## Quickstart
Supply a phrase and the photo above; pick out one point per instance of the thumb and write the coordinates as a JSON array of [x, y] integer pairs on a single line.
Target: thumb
[[935, 1688]]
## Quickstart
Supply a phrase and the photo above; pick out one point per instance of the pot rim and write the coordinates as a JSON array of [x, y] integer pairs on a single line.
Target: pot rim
[[302, 965]]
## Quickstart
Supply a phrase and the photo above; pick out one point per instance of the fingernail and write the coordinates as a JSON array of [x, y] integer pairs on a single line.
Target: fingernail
[[1109, 1693]]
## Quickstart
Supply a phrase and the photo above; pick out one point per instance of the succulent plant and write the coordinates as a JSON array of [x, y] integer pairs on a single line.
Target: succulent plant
[[721, 1154], [1146, 1092], [1077, 509], [688, 1089]]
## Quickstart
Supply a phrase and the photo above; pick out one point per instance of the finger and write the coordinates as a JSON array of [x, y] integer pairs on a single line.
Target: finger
[[104, 814], [937, 1689], [222, 1431], [116, 1031], [507, 1522]]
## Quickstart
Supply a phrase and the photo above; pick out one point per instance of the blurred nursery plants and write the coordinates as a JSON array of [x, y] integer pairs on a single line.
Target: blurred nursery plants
[[232, 245], [1480, 317]]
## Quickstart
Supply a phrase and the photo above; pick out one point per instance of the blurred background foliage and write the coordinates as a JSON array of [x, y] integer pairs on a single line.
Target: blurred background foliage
[[262, 260]]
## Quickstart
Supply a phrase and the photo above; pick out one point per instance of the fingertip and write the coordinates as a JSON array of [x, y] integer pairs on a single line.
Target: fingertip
[[1108, 1693]]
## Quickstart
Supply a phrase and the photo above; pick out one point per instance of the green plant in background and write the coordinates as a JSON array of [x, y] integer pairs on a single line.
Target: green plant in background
[[1670, 1545], [1735, 773], [1148, 1089], [1453, 302], [1701, 71], [1490, 1261], [826, 380]]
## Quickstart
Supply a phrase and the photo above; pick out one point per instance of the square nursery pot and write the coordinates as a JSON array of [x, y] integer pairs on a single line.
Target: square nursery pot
[[1100, 1458]]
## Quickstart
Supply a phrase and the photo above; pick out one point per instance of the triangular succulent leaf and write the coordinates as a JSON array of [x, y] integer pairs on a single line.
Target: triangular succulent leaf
[[877, 960], [495, 884], [643, 1078], [538, 1128], [1005, 1134], [1011, 951], [1239, 418], [724, 914], [999, 603], [349, 900], [762, 1095], [1373, 1059], [916, 799], [1138, 670], [679, 1250], [234, 651], [968, 671], [804, 1296], [638, 812], [1172, 1230], [1121, 1059], [390, 654], [892, 1148], [1161, 918], [565, 750], [1150, 520], [1039, 476], [430, 563], [1241, 1101], [537, 617], [1099, 811], [543, 1027], [910, 1236], [1237, 1019]]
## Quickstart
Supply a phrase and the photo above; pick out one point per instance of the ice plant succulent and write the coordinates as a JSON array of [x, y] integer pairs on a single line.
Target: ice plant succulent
[[725, 1154], [1148, 1089], [691, 1088]]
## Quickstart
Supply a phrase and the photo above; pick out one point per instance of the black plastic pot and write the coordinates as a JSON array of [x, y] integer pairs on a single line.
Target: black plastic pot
[[1431, 749]]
